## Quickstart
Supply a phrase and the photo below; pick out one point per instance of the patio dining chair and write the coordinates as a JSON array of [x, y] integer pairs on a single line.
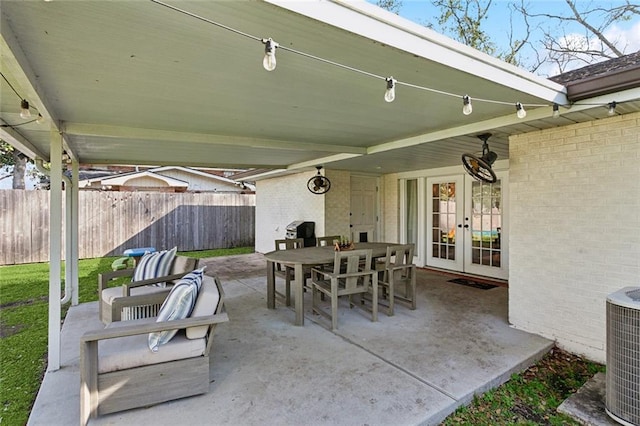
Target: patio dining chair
[[286, 272], [327, 241], [352, 274], [397, 277], [151, 281]]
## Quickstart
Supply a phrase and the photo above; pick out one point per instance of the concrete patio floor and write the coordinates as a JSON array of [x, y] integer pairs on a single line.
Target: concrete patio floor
[[413, 368]]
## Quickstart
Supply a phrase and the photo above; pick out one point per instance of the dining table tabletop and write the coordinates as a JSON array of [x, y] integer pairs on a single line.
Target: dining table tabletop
[[306, 257]]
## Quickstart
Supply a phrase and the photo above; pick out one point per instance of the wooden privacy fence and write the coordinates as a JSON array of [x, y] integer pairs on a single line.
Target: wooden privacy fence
[[110, 222]]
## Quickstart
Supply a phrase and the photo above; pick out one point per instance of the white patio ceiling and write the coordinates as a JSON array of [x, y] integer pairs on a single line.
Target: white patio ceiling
[[134, 82]]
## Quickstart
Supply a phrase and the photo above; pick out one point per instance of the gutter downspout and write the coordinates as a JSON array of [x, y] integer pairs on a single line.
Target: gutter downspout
[[67, 240]]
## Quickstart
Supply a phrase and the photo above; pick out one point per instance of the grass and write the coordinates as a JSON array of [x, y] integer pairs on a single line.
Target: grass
[[24, 314], [529, 398]]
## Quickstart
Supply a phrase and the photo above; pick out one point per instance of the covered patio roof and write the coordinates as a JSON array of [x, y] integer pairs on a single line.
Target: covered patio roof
[[145, 83]]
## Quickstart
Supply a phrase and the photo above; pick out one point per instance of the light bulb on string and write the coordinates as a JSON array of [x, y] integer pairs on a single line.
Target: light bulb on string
[[612, 108], [269, 61], [390, 93], [24, 109], [466, 105], [556, 111], [40, 119], [520, 111]]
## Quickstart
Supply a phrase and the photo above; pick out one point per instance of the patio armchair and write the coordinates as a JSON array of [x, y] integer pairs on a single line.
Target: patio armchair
[[398, 273], [352, 274], [150, 290], [286, 272], [119, 369]]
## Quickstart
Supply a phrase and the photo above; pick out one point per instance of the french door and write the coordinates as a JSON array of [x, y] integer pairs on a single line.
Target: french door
[[466, 225]]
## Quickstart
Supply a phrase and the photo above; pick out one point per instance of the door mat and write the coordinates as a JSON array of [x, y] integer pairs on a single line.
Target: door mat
[[472, 283]]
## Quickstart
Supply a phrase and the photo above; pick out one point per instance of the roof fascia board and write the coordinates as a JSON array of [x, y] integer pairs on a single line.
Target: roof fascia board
[[99, 130], [364, 19], [604, 84]]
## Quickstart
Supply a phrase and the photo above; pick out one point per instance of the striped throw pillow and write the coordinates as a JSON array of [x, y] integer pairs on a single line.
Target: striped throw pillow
[[178, 305], [153, 265]]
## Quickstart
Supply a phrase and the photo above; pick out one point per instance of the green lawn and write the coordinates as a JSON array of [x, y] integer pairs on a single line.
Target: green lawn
[[24, 293]]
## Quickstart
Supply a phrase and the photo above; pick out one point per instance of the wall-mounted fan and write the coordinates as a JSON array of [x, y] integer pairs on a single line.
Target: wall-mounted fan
[[319, 184], [480, 167]]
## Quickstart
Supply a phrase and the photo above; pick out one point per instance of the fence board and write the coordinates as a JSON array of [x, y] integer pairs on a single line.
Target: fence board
[[110, 222]]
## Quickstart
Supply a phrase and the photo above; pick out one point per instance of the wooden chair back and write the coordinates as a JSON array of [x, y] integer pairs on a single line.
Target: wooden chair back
[[327, 241]]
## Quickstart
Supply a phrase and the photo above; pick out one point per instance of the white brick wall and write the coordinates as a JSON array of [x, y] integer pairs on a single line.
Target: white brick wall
[[390, 209], [338, 204], [575, 228], [280, 201]]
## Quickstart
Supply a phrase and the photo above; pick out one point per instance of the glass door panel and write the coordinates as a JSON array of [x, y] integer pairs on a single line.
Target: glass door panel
[[485, 250], [444, 248]]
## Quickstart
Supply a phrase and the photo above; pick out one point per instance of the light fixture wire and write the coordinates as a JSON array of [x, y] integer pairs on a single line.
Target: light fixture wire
[[348, 67]]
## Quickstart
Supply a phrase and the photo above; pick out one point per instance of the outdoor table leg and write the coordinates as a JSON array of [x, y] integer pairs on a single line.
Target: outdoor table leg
[[271, 285], [299, 293]]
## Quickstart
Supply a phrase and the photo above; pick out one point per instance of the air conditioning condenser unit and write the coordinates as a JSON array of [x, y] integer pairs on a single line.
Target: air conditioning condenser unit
[[623, 356]]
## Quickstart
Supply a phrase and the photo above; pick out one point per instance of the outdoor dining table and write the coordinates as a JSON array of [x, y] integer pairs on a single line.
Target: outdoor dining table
[[307, 257]]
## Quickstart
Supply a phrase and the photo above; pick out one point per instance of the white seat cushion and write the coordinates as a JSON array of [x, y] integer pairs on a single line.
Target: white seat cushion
[[207, 304], [133, 351]]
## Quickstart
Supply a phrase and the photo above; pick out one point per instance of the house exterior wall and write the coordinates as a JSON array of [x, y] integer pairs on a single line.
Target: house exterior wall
[[575, 228], [146, 181], [337, 204], [280, 201], [390, 209], [200, 183]]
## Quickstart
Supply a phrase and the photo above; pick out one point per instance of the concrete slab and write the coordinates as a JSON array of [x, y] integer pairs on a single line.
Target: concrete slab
[[587, 406], [413, 368]]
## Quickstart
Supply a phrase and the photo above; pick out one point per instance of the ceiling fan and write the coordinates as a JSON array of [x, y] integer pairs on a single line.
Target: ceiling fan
[[480, 167], [319, 184]]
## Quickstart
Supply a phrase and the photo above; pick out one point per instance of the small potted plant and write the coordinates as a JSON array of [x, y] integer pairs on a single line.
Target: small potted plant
[[344, 244]]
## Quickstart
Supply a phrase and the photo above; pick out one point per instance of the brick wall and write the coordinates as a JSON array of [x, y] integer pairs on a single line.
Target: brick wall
[[575, 228], [390, 209], [338, 204], [280, 201]]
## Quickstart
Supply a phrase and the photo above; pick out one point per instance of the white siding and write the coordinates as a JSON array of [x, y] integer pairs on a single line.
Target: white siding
[[575, 228], [200, 183]]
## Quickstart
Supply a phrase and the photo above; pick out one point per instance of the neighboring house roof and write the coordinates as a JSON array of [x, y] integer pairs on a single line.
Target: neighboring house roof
[[602, 78], [173, 176]]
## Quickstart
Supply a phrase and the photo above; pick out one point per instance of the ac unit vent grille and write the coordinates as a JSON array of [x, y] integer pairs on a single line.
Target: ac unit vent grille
[[623, 357]]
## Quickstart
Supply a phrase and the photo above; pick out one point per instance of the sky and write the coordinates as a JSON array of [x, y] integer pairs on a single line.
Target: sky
[[499, 22]]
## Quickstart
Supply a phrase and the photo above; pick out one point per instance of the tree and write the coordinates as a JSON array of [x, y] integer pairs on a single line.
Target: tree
[[391, 5], [13, 163], [593, 45], [538, 41]]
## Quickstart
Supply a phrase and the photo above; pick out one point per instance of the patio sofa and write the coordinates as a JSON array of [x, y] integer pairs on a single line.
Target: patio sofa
[[119, 369]]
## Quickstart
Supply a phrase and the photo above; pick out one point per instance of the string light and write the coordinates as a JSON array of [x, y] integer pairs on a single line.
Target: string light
[[612, 108], [556, 110], [520, 111], [390, 93], [269, 61], [24, 109], [466, 105]]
